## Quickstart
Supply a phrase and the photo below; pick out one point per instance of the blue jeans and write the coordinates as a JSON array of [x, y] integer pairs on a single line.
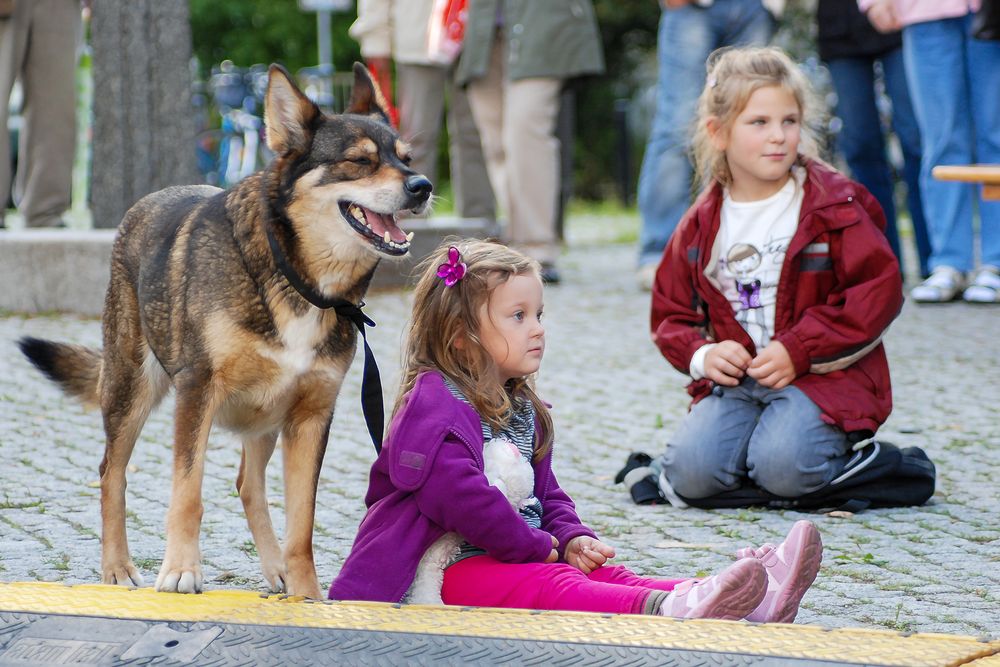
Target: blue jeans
[[955, 85], [686, 37], [774, 437], [862, 143]]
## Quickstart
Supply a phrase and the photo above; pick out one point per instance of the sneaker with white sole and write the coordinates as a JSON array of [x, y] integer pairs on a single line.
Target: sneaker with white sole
[[729, 595], [944, 284], [791, 569], [985, 286]]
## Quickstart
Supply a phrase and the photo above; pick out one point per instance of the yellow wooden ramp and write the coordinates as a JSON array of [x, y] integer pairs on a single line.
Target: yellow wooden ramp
[[90, 624]]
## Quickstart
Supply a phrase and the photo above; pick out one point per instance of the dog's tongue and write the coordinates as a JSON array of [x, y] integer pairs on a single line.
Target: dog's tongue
[[381, 223]]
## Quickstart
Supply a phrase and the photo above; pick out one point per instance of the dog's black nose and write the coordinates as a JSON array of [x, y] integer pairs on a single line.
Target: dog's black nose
[[418, 186]]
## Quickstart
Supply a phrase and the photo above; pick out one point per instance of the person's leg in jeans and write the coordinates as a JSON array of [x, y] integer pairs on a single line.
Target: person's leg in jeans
[[860, 139], [984, 87], [904, 124], [707, 455], [684, 41], [935, 57], [685, 38], [792, 451], [469, 179]]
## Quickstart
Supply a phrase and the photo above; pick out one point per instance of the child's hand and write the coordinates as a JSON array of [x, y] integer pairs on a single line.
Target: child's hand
[[882, 15], [553, 555], [772, 367], [587, 554], [726, 362]]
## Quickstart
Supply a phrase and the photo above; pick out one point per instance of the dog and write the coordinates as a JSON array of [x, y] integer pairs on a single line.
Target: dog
[[203, 298]]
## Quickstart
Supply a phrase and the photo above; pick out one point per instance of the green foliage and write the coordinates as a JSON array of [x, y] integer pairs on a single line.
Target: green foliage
[[265, 31]]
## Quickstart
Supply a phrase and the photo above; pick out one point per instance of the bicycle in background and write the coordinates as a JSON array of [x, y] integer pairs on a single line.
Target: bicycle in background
[[233, 97]]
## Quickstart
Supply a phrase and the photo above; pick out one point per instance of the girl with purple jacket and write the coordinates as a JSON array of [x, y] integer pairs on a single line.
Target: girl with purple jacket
[[475, 342]]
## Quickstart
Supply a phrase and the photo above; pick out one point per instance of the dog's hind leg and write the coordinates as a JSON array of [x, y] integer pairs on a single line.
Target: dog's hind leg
[[303, 442], [132, 384], [180, 571], [250, 483]]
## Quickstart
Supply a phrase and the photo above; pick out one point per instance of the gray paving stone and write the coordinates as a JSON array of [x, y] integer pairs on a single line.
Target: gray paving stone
[[929, 569]]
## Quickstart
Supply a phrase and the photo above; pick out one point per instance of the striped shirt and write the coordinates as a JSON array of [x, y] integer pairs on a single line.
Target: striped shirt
[[520, 430]]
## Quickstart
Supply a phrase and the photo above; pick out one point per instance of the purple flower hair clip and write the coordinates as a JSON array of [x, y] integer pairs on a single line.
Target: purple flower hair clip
[[454, 269]]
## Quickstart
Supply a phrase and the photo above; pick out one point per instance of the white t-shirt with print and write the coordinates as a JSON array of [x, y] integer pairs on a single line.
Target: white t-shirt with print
[[751, 244]]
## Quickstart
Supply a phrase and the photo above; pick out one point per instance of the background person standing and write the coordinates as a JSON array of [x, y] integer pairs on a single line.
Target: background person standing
[[516, 58], [689, 31], [954, 81], [396, 30], [851, 49], [38, 46]]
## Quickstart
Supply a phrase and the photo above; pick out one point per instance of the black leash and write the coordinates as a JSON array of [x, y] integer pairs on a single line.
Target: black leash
[[371, 382]]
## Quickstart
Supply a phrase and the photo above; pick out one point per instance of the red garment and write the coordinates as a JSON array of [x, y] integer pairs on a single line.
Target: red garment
[[840, 288]]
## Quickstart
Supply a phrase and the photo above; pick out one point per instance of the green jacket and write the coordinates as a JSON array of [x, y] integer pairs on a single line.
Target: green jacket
[[545, 38]]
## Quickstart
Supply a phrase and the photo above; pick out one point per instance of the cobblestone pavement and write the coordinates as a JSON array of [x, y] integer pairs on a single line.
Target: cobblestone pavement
[[929, 569]]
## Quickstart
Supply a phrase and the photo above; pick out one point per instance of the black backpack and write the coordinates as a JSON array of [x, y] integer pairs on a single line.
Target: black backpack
[[880, 475]]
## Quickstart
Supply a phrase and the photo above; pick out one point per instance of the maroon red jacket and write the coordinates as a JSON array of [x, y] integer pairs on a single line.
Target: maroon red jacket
[[839, 290]]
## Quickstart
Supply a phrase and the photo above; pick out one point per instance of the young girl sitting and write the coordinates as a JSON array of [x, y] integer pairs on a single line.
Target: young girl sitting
[[475, 342], [773, 294]]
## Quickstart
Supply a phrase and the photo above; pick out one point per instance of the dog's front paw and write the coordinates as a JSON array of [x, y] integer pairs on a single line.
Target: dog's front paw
[[122, 574], [276, 576], [307, 587], [183, 579]]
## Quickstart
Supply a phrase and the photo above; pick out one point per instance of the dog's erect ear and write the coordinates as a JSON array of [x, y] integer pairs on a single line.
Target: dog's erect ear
[[288, 113], [366, 97]]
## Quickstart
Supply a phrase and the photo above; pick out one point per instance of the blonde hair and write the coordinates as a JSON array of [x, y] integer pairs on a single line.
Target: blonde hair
[[443, 316], [733, 76]]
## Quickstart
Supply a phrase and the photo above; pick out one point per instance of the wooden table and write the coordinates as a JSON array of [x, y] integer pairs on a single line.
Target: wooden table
[[987, 174]]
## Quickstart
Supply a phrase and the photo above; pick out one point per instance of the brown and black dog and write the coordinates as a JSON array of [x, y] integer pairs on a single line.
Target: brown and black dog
[[199, 300]]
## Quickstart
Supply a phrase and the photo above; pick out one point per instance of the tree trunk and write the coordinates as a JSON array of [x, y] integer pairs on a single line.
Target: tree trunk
[[143, 124]]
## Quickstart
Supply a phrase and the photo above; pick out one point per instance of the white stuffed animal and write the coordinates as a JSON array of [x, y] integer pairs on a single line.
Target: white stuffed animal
[[505, 469]]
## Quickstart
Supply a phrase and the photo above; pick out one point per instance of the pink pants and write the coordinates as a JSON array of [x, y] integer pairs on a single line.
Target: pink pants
[[482, 581]]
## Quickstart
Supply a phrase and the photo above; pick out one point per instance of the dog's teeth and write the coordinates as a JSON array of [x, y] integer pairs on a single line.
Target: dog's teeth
[[409, 237], [387, 237]]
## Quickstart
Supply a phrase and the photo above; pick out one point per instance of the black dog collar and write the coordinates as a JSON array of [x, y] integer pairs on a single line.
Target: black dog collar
[[371, 382]]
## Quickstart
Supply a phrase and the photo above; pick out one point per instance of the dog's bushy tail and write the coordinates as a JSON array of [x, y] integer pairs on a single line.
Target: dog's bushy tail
[[75, 368]]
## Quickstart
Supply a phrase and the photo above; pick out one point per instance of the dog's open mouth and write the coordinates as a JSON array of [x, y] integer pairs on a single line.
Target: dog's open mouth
[[380, 229]]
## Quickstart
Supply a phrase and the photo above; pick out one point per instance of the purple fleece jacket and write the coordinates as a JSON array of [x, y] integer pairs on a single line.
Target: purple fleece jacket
[[429, 480]]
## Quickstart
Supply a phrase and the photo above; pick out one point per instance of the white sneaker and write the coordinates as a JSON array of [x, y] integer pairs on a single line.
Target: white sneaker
[[944, 285], [985, 286], [729, 595]]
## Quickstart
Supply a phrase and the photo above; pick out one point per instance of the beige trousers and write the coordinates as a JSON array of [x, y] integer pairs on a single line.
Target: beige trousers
[[422, 92], [38, 46], [517, 122]]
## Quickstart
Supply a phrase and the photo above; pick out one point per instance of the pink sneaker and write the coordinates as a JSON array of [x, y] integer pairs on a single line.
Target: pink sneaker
[[729, 595], [791, 568]]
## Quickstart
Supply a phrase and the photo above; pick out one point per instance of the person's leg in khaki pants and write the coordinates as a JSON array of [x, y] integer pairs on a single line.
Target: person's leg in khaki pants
[[421, 110], [516, 121], [44, 182], [532, 150], [422, 90], [13, 40], [469, 179]]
